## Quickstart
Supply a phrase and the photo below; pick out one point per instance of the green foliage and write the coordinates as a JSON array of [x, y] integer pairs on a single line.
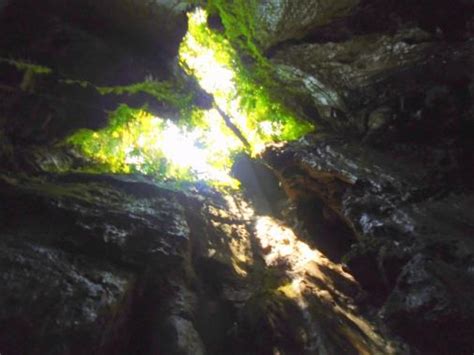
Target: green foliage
[[115, 147], [202, 146], [172, 93], [238, 18], [136, 142], [25, 66], [238, 90], [30, 71]]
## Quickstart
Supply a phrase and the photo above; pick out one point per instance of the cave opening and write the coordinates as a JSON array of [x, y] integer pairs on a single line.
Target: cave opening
[[201, 143], [164, 190]]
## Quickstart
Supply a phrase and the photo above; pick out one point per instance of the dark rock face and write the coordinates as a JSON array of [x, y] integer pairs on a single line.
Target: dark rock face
[[115, 265], [278, 21], [348, 76], [389, 85], [61, 302], [106, 43], [372, 252], [433, 295], [413, 238], [95, 41], [381, 67], [76, 259]]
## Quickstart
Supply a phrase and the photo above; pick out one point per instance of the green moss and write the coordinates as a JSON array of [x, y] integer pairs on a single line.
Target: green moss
[[242, 92], [137, 142], [30, 72], [172, 93], [246, 116], [113, 148], [238, 18], [25, 66]]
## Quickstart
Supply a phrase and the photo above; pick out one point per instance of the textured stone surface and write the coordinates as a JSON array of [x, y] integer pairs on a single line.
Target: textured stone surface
[[135, 268], [95, 216], [351, 83], [378, 226], [80, 256], [347, 76], [280, 20], [381, 68], [106, 43], [433, 295], [413, 236], [60, 303]]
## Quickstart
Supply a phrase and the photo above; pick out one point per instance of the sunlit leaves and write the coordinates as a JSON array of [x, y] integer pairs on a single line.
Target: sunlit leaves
[[219, 70], [121, 147], [137, 142], [164, 91], [238, 19], [202, 145]]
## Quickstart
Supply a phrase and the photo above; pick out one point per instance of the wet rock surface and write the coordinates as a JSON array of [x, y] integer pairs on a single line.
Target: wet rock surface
[[368, 250], [79, 258], [430, 296], [114, 265], [378, 67], [378, 83], [55, 302], [412, 237], [278, 21], [389, 86]]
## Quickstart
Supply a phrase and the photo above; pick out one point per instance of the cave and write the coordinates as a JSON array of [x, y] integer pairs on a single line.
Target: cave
[[239, 177]]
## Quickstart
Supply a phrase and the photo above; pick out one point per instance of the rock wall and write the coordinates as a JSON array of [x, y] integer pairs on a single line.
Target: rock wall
[[390, 85], [385, 66], [106, 43], [367, 250], [412, 237], [119, 265]]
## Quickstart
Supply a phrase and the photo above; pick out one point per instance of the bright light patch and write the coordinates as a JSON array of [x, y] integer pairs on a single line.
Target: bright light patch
[[282, 244], [312, 282], [200, 146], [212, 62], [180, 148], [136, 141], [199, 16], [212, 68], [214, 76]]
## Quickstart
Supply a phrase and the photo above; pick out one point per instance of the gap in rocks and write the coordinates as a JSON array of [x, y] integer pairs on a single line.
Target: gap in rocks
[[315, 222], [253, 285]]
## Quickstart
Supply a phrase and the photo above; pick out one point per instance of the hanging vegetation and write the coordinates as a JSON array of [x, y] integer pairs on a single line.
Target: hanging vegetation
[[137, 142], [261, 119], [202, 144]]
